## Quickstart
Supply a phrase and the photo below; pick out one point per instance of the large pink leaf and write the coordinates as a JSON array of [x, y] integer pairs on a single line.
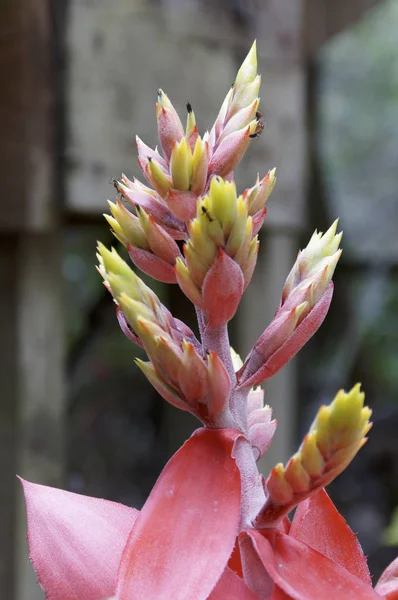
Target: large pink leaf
[[279, 594], [387, 586], [232, 587], [303, 573], [76, 542], [186, 530], [254, 574], [318, 523]]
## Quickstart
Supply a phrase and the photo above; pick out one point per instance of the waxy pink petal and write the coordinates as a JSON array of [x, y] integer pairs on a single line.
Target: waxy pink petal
[[137, 195], [232, 587], [261, 435], [124, 326], [222, 289], [318, 523], [187, 528], [76, 542], [229, 153], [304, 574], [256, 577], [279, 594], [152, 265], [387, 586], [182, 204]]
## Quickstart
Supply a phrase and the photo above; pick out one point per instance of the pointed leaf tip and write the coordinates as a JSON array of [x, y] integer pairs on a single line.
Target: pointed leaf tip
[[76, 542]]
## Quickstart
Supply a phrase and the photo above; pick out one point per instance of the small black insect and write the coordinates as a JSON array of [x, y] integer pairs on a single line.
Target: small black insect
[[208, 215], [259, 126]]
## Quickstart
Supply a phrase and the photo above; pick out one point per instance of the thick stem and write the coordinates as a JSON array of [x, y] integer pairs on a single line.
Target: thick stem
[[252, 493], [199, 316], [217, 339]]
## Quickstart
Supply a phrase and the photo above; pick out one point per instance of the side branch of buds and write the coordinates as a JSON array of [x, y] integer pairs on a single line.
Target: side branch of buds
[[177, 368], [335, 436], [306, 298]]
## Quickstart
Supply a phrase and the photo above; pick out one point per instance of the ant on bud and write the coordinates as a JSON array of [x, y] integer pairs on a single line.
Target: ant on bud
[[207, 213], [259, 126]]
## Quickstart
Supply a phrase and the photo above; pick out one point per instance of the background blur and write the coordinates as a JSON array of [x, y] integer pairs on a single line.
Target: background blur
[[78, 81]]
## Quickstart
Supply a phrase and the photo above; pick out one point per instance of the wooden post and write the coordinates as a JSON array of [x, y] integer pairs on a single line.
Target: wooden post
[[31, 397]]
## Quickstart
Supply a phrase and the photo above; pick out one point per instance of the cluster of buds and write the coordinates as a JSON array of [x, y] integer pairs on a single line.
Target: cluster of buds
[[184, 173], [334, 438], [306, 298], [176, 368], [220, 254]]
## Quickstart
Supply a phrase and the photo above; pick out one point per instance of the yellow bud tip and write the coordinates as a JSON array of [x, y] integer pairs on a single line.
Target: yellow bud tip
[[248, 69], [236, 359]]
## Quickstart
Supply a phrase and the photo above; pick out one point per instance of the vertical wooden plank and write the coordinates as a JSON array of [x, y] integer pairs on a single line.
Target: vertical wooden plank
[[31, 398], [31, 392], [26, 114], [40, 413], [8, 412]]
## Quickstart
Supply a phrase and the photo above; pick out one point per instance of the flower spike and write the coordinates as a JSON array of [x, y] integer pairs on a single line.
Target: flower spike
[[306, 298], [337, 433]]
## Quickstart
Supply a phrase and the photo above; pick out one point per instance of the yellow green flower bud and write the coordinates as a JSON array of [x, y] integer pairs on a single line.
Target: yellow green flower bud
[[337, 433]]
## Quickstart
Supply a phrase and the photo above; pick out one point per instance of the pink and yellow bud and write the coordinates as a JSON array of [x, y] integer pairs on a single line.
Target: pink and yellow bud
[[337, 433], [248, 69], [126, 227], [165, 390], [138, 194], [181, 165], [152, 248], [240, 235], [244, 95], [241, 96], [191, 129], [187, 284], [128, 289], [182, 377], [232, 148], [170, 128], [111, 262], [145, 153], [316, 262], [258, 195], [192, 376], [305, 301], [261, 426], [160, 242], [160, 180], [200, 163], [241, 119], [220, 249]]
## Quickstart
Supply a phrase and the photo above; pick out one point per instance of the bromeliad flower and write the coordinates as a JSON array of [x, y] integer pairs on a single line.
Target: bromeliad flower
[[212, 528]]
